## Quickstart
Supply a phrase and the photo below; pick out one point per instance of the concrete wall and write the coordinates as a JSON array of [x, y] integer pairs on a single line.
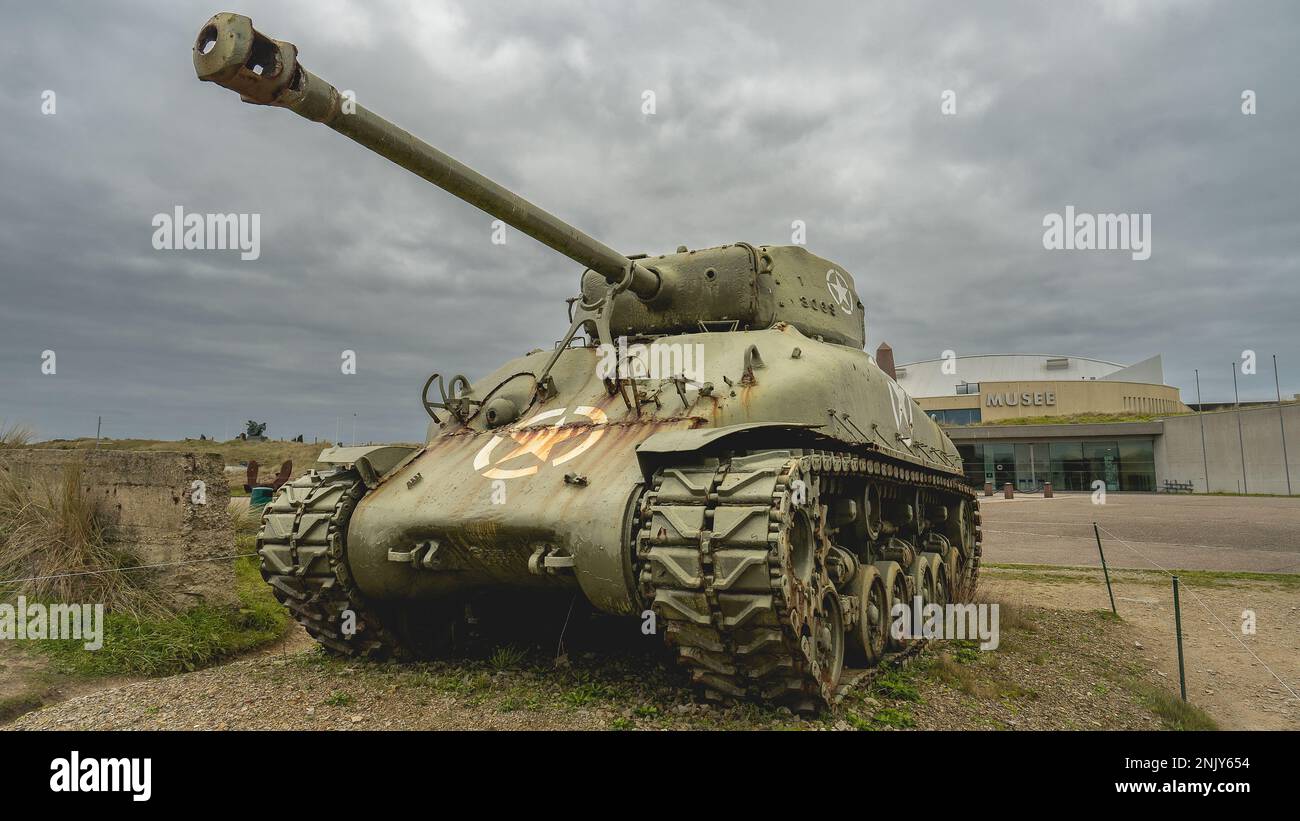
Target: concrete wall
[[147, 499], [1179, 456]]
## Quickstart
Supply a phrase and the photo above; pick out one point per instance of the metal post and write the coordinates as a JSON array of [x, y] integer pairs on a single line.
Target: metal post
[[1241, 442], [1200, 414], [99, 426], [1178, 628], [1286, 462], [1105, 570]]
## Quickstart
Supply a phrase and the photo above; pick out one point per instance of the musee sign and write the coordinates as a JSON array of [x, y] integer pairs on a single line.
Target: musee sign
[[1011, 400]]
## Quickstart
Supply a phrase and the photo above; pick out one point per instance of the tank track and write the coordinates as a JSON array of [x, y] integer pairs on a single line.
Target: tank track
[[302, 544], [719, 564]]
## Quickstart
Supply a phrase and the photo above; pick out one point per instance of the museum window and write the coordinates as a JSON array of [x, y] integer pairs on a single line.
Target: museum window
[[1137, 465], [1103, 463], [956, 416], [1126, 464], [1068, 470]]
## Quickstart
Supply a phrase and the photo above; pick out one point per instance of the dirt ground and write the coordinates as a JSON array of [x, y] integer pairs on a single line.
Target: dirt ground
[[1230, 674], [1233, 677], [1064, 663]]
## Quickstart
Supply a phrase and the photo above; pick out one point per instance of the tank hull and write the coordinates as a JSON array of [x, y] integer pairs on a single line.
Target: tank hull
[[562, 483], [488, 529]]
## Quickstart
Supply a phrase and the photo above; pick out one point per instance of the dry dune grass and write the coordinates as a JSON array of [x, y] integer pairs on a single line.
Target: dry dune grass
[[15, 435], [54, 546]]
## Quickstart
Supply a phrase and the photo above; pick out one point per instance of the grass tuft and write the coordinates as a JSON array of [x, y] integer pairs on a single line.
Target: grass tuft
[[15, 435], [1175, 713], [507, 657], [896, 684], [55, 546]]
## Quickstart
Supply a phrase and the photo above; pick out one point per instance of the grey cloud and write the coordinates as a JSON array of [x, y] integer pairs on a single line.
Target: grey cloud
[[825, 112]]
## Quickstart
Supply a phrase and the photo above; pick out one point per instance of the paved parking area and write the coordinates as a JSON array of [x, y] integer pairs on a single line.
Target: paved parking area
[[1143, 530]]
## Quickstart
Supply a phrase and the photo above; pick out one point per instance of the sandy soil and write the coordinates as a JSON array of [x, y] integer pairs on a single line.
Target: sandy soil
[[1229, 675]]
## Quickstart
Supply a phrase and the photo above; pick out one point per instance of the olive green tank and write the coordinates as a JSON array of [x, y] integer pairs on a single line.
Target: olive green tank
[[707, 448]]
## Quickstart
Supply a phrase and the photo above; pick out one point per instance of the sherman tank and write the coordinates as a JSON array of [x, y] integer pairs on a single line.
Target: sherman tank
[[707, 448]]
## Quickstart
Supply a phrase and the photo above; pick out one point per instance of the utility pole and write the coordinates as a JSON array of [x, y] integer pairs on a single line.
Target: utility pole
[[1241, 442], [1200, 413], [354, 429], [99, 420], [1286, 463]]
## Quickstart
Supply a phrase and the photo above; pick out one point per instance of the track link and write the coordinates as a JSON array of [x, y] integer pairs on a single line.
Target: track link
[[727, 561]]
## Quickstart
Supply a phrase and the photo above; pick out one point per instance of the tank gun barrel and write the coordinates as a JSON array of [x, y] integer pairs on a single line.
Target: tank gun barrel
[[231, 53]]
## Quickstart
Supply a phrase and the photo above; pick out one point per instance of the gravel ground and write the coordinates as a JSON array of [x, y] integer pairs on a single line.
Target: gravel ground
[[1054, 669]]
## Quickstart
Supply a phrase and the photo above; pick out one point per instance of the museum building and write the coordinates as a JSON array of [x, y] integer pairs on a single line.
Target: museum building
[[980, 401]]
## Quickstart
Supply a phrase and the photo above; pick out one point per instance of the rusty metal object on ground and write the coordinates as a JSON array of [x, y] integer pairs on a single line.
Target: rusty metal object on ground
[[284, 474]]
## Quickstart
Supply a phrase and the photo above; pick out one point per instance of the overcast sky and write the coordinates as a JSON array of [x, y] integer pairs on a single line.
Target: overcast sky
[[765, 114]]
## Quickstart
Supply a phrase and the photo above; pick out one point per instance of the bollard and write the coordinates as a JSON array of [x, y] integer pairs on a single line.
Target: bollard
[[1105, 570], [1047, 490], [1178, 629], [988, 488], [1008, 492]]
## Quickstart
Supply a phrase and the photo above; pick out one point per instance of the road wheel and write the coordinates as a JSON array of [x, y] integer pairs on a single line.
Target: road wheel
[[871, 632], [829, 639]]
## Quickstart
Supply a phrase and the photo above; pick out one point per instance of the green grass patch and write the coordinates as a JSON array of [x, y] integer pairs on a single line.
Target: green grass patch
[[965, 651], [587, 693], [507, 657], [1174, 713], [897, 685], [165, 645], [13, 706], [892, 717]]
